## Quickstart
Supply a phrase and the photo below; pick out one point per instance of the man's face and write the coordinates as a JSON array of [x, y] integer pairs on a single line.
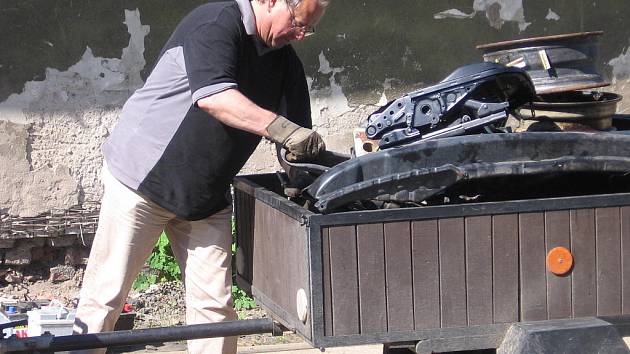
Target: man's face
[[289, 24]]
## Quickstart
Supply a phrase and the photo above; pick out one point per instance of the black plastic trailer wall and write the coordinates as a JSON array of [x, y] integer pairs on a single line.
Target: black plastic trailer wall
[[460, 273]]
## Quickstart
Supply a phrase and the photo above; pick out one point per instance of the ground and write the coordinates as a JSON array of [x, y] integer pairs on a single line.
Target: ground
[[161, 305]]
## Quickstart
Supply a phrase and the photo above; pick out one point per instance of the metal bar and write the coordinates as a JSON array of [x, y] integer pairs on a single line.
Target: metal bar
[[141, 336]]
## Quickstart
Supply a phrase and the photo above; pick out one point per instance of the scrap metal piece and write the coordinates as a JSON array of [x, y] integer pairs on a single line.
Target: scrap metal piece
[[415, 172], [594, 109], [472, 96], [557, 63]]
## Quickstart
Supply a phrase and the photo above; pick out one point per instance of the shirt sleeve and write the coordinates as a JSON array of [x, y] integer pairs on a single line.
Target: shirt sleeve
[[296, 102], [210, 55]]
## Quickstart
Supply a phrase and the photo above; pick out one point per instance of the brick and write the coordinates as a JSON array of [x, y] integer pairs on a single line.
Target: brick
[[17, 256], [61, 273], [7, 243], [13, 277], [63, 241]]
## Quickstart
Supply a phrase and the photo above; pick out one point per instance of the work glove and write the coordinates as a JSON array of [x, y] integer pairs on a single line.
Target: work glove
[[302, 144]]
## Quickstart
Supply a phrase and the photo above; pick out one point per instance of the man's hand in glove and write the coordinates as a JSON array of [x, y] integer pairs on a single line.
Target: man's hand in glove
[[302, 144]]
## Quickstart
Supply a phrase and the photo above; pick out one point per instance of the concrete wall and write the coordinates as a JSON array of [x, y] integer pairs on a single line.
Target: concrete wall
[[66, 68]]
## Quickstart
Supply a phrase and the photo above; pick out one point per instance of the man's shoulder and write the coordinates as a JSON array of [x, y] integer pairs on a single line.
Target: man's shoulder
[[293, 58], [224, 13]]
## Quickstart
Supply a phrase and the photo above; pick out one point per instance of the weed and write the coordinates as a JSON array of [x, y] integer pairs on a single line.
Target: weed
[[162, 264], [241, 300], [163, 267]]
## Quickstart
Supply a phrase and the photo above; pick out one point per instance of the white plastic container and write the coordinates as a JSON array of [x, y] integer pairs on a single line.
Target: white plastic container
[[57, 321]]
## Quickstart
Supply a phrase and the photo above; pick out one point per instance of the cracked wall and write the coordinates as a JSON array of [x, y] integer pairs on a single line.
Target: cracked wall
[[71, 65], [66, 116]]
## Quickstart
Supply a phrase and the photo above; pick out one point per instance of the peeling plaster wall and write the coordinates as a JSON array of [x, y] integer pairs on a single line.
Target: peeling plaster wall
[[68, 114], [39, 189], [68, 67]]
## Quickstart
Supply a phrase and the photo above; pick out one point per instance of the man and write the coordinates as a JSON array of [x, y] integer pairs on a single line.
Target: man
[[225, 78]]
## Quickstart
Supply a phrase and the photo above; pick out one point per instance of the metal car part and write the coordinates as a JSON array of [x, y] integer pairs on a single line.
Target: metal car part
[[594, 109], [472, 96], [557, 63]]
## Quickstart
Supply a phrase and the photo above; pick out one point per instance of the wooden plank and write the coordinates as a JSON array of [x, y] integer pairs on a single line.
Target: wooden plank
[[505, 265], [344, 280], [244, 214], [558, 234], [398, 276], [426, 282], [608, 238], [584, 284], [452, 272], [479, 269], [328, 315], [282, 239], [625, 260], [533, 290], [294, 247], [262, 274], [371, 262]]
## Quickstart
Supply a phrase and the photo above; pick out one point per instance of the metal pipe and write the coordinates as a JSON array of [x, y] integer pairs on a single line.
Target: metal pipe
[[140, 336]]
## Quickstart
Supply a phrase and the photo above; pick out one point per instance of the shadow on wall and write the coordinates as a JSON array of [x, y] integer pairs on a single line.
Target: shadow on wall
[[411, 42], [418, 42], [55, 34]]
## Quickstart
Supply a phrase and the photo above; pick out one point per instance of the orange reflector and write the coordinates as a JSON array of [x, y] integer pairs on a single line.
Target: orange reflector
[[559, 261]]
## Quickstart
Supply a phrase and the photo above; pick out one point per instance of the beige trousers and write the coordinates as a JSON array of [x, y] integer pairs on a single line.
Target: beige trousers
[[128, 229]]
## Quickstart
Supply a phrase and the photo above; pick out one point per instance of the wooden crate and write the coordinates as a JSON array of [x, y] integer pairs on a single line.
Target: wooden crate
[[430, 273]]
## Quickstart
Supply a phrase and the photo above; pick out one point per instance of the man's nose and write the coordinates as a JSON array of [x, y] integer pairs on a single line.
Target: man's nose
[[298, 35]]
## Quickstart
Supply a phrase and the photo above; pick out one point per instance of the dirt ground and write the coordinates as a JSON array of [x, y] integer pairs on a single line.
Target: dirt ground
[[161, 305]]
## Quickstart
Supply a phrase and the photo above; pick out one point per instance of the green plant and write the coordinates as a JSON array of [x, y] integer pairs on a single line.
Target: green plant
[[163, 266], [241, 300]]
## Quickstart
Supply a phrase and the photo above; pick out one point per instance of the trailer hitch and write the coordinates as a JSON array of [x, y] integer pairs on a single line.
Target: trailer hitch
[[48, 342]]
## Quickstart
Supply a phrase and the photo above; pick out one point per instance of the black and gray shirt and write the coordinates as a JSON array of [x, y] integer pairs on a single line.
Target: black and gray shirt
[[174, 153]]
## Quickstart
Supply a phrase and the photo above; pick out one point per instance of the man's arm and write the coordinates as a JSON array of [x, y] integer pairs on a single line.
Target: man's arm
[[234, 109]]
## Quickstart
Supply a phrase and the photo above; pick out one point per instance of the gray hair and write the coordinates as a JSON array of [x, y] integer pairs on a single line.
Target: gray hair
[[295, 3]]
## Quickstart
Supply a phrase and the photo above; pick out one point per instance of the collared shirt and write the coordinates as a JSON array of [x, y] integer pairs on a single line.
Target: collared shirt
[[171, 151]]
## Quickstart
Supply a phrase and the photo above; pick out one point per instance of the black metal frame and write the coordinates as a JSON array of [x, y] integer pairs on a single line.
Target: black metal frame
[[485, 336], [50, 343]]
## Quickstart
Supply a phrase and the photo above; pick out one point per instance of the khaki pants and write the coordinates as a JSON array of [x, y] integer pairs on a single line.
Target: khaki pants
[[129, 227]]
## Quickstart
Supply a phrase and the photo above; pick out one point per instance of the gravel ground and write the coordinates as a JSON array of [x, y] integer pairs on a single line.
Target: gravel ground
[[161, 305]]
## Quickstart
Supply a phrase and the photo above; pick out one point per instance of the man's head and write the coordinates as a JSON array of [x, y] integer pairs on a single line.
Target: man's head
[[280, 21]]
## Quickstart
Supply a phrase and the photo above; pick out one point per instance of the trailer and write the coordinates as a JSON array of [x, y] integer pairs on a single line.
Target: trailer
[[520, 275]]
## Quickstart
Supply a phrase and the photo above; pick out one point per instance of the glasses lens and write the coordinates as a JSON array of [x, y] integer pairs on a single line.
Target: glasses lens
[[306, 30]]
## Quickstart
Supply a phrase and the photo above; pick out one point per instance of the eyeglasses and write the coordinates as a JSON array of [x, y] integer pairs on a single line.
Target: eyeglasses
[[306, 30]]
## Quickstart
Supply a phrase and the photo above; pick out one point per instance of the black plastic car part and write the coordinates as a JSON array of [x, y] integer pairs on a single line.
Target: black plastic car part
[[416, 172]]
